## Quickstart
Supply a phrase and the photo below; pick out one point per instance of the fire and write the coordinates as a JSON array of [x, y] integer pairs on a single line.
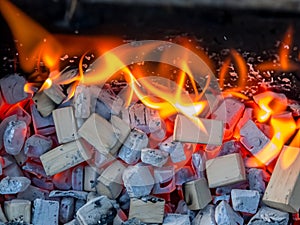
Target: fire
[[284, 63], [242, 72]]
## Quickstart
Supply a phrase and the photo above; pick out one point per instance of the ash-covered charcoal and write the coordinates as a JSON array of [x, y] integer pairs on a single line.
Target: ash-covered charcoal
[[3, 125], [13, 185], [198, 164], [225, 215], [12, 88], [45, 211], [138, 180], [269, 216], [130, 152], [43, 125], [31, 193], [34, 168], [174, 148], [205, 216], [245, 200], [66, 209], [36, 145], [71, 193], [77, 178], [154, 157], [164, 179], [230, 147], [14, 136], [99, 210], [178, 219], [256, 180]]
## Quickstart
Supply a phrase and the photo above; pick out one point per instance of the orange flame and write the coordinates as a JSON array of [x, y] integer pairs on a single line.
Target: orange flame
[[269, 104], [33, 41], [284, 64], [284, 127], [242, 72]]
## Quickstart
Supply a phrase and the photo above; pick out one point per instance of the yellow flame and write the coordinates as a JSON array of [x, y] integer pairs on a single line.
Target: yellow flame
[[33, 41], [284, 63], [284, 127]]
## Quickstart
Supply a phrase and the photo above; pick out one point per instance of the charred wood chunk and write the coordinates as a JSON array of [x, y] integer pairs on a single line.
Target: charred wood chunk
[[18, 210], [45, 211], [12, 88], [14, 136]]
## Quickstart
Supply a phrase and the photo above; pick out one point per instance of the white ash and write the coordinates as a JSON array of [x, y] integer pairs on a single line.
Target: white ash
[[205, 216], [174, 148], [13, 185], [138, 181], [245, 200], [36, 145], [178, 219], [225, 215], [14, 136], [269, 216], [154, 157]]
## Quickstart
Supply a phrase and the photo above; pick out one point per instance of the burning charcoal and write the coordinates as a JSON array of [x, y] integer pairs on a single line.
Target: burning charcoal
[[21, 158], [13, 185], [65, 124], [184, 174], [187, 130], [63, 180], [282, 191], [205, 216], [198, 164], [174, 148], [42, 125], [45, 211], [77, 178], [224, 190], [102, 110], [43, 183], [99, 133], [248, 112], [17, 209], [130, 152], [225, 170], [43, 104], [55, 93], [2, 216], [36, 145], [219, 198], [112, 101], [102, 160], [164, 179], [154, 157], [253, 139], [120, 218], [82, 102], [35, 169], [14, 136], [66, 210], [100, 210], [3, 125], [110, 182], [147, 209], [6, 161], [64, 157], [90, 175], [138, 181], [124, 200], [266, 215], [245, 200], [230, 147], [13, 171], [229, 112], [256, 180], [294, 106], [224, 215], [196, 194], [74, 194], [178, 219], [31, 193], [12, 88]]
